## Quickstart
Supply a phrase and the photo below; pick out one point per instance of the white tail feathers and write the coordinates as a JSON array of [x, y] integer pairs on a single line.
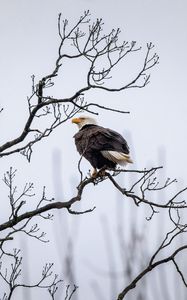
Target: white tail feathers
[[117, 157]]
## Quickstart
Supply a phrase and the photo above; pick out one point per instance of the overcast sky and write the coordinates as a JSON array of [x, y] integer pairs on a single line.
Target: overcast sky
[[158, 113], [156, 126]]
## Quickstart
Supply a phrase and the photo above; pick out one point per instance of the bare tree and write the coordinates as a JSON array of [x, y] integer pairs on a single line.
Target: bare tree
[[102, 53]]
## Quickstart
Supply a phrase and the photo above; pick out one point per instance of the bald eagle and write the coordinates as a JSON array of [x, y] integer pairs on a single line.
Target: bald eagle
[[102, 147]]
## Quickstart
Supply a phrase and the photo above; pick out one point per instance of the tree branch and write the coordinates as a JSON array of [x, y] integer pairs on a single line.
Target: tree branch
[[148, 269]]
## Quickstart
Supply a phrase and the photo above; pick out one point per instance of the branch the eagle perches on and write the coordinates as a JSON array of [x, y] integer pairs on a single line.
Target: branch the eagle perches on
[[145, 184], [102, 54], [138, 192]]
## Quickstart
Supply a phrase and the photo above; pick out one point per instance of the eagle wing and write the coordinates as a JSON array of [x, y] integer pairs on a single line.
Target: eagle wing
[[113, 146], [104, 139], [94, 139]]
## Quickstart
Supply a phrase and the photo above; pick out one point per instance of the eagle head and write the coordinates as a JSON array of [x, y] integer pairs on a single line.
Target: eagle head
[[84, 120]]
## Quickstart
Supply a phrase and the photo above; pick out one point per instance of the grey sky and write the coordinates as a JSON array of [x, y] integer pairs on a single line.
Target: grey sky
[[29, 42]]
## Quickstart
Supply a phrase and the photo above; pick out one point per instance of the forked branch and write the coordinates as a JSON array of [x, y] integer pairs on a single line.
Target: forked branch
[[149, 268], [102, 53], [143, 183]]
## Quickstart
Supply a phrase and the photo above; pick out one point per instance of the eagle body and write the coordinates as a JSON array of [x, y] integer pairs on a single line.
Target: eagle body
[[102, 147], [90, 141]]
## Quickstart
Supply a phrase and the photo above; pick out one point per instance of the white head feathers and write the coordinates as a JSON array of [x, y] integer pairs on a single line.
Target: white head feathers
[[84, 120]]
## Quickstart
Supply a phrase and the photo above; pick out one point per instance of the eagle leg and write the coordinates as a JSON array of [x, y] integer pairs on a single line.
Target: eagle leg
[[94, 173], [102, 172]]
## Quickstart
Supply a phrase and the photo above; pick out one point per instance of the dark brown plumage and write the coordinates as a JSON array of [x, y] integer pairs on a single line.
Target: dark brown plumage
[[102, 147]]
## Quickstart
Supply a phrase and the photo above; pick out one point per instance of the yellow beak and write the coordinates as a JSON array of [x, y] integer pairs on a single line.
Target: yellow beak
[[76, 120]]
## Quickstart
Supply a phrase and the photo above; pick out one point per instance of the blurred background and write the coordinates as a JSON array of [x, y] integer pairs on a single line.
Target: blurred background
[[101, 251]]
